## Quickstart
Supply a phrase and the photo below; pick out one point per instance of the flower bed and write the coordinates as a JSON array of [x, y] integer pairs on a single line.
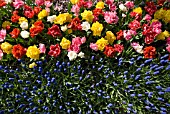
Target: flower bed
[[96, 85], [104, 57]]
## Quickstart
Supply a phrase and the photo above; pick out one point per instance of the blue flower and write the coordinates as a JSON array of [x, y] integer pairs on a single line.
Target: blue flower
[[125, 81], [83, 71], [158, 87], [11, 79], [148, 72], [110, 105], [65, 70], [167, 89], [99, 69], [25, 88], [39, 101], [147, 107], [79, 67], [137, 77], [92, 57], [157, 72], [108, 111], [112, 73], [40, 69], [130, 86], [101, 112], [131, 76], [72, 74], [93, 67], [164, 61], [29, 99], [57, 63], [39, 62], [55, 70], [63, 63], [125, 72], [148, 61], [2, 112], [46, 108], [31, 104], [1, 67], [151, 68], [28, 82], [165, 56], [139, 57], [160, 99], [141, 66], [68, 64], [115, 84], [137, 85], [53, 80], [150, 94], [68, 111], [167, 104], [162, 112], [130, 105], [163, 109], [11, 110], [159, 68], [168, 67], [60, 66], [161, 93], [140, 95], [132, 95], [147, 77]]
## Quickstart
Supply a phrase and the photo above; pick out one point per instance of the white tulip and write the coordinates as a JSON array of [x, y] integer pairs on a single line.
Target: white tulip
[[64, 28], [139, 49], [24, 25], [51, 18], [8, 1], [72, 55], [24, 34], [123, 15], [85, 26], [81, 55], [122, 7]]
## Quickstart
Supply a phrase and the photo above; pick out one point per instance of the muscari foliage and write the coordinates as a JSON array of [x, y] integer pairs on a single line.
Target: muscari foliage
[[94, 85]]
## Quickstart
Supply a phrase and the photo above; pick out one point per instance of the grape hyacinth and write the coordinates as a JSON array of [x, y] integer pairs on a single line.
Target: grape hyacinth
[[66, 87]]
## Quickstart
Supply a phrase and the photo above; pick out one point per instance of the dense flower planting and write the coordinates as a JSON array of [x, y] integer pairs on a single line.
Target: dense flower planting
[[105, 56], [96, 85], [109, 28]]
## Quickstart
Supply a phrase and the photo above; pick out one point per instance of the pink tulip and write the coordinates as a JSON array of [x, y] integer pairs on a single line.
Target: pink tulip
[[94, 46], [168, 48], [111, 17], [168, 41], [109, 2], [18, 4], [128, 34], [1, 54], [2, 35], [147, 17], [76, 41], [129, 4], [48, 4], [74, 48], [47, 9], [83, 40], [39, 2], [42, 48], [75, 9]]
